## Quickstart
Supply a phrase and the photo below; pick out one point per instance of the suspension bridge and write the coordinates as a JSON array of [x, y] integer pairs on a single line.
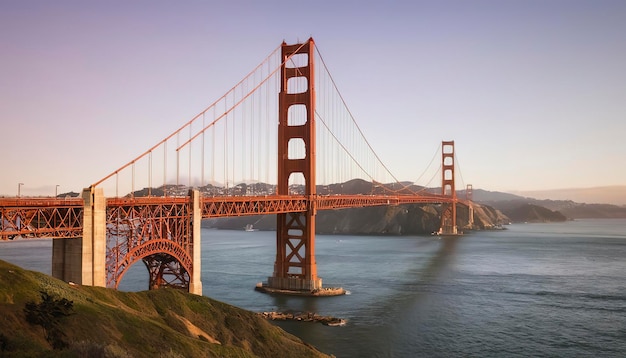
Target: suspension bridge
[[264, 147]]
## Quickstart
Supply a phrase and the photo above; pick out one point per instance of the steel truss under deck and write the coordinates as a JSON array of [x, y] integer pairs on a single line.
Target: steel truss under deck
[[40, 217], [156, 230]]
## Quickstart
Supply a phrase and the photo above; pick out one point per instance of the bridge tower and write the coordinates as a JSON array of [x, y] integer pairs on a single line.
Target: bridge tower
[[295, 267], [448, 215], [469, 192], [469, 197]]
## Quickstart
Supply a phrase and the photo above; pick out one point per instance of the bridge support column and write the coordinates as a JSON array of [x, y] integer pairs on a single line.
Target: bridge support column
[[94, 238], [448, 216], [195, 284], [295, 268], [66, 259], [83, 260]]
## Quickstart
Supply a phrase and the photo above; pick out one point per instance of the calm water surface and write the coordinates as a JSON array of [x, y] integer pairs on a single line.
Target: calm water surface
[[532, 290]]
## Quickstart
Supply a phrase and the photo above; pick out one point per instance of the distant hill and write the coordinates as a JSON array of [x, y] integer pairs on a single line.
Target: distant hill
[[534, 213], [485, 196], [507, 202], [615, 195], [417, 220], [410, 219], [108, 323]]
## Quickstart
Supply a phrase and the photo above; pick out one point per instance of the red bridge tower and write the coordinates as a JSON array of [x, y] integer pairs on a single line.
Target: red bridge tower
[[295, 267], [448, 216]]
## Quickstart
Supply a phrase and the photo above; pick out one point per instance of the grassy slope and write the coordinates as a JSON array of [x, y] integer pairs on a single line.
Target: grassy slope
[[166, 323]]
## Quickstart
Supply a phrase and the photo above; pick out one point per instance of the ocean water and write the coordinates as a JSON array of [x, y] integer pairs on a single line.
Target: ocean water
[[539, 290]]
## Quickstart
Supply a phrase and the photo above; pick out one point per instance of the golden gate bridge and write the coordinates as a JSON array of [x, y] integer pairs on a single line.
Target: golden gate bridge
[[249, 153]]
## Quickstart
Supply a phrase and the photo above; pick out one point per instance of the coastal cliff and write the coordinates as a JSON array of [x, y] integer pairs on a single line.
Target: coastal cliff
[[413, 219]]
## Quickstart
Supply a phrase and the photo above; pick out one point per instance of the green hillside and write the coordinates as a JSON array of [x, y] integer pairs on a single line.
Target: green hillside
[[107, 323]]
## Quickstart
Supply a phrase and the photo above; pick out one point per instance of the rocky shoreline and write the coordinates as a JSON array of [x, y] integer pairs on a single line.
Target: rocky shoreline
[[304, 317], [325, 291]]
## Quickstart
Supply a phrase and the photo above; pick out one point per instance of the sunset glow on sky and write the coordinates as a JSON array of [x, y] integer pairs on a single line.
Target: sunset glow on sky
[[532, 92]]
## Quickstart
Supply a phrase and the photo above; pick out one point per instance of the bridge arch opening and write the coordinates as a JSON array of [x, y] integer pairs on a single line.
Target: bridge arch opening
[[298, 60], [295, 181], [135, 278], [296, 149], [296, 115], [168, 265], [166, 271], [296, 85]]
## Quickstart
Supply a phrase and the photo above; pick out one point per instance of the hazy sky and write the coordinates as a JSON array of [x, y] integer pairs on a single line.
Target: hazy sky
[[532, 92]]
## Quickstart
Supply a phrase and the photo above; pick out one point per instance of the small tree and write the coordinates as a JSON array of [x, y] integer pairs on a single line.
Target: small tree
[[48, 314]]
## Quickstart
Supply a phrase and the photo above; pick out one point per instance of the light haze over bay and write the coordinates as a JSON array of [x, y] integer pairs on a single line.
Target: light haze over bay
[[532, 92]]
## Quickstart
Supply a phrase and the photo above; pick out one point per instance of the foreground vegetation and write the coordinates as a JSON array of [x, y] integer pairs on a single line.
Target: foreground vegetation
[[43, 316]]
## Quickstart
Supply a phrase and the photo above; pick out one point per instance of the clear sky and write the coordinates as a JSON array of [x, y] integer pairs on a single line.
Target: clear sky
[[532, 92]]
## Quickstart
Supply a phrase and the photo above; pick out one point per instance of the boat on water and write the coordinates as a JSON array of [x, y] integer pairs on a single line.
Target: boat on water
[[250, 227]]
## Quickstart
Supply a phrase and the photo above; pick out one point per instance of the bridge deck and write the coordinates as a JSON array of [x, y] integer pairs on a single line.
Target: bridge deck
[[62, 218]]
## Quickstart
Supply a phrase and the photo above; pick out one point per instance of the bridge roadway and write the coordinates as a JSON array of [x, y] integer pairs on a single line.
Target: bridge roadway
[[63, 218]]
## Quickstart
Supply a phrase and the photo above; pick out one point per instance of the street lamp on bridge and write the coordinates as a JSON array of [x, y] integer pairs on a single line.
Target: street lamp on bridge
[[19, 189], [56, 191]]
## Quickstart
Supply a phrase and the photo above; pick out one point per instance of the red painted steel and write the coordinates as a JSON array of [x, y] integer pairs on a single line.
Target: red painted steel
[[40, 217], [154, 230], [295, 231], [448, 188], [158, 230], [469, 192], [45, 218]]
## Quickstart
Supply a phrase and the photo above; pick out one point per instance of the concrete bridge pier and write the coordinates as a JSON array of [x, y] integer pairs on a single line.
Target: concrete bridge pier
[[83, 260], [195, 284]]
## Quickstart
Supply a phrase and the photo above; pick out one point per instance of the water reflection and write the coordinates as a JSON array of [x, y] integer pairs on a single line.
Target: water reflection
[[387, 303], [285, 303]]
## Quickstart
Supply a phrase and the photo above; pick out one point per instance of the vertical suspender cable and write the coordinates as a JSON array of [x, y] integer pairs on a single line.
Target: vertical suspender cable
[[202, 153], [150, 174], [233, 140], [232, 143], [266, 129], [177, 160], [252, 115], [132, 186], [243, 134], [189, 169], [213, 153], [226, 148], [165, 169]]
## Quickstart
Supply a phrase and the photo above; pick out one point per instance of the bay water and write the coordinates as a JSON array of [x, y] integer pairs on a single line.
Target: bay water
[[540, 290]]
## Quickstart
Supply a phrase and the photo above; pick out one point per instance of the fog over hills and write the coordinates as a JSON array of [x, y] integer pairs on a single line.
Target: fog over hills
[[615, 194]]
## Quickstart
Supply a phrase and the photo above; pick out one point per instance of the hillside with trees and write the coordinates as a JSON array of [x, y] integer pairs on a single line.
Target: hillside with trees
[[44, 317]]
